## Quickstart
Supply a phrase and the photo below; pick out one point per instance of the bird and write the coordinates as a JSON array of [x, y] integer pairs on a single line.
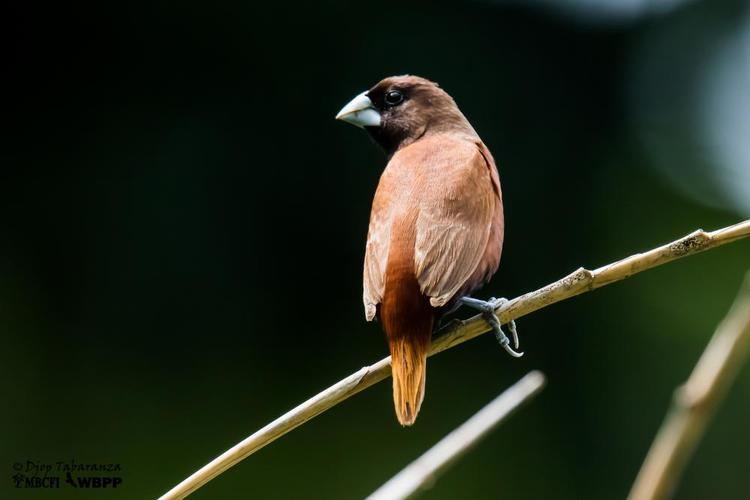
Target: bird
[[436, 225]]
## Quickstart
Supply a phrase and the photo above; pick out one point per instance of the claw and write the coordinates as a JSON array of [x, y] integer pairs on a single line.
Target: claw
[[488, 311], [495, 303], [513, 353]]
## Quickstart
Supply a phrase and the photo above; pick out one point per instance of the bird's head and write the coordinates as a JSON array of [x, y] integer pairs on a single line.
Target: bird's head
[[398, 110]]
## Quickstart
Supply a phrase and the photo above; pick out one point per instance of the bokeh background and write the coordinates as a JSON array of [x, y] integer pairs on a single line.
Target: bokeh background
[[183, 226]]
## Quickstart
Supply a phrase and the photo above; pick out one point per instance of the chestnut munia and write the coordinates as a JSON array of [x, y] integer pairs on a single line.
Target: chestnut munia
[[436, 226]]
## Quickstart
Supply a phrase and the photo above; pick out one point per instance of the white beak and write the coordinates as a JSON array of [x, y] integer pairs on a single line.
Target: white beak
[[360, 112]]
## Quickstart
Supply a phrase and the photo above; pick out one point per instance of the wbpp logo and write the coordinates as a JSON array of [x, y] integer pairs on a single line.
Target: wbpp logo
[[93, 482]]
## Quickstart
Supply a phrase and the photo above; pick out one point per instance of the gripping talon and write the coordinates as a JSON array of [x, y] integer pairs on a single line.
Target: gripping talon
[[488, 312]]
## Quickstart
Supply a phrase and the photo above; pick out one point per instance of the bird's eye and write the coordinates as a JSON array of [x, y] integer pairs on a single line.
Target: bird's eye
[[394, 98]]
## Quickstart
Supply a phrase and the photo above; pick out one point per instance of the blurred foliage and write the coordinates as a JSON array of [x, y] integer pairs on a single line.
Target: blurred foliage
[[690, 102], [174, 183]]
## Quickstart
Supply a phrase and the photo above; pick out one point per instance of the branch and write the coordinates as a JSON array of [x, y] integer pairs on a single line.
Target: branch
[[424, 470], [456, 333], [695, 403]]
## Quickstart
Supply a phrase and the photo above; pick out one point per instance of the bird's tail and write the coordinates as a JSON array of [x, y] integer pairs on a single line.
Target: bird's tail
[[409, 365], [407, 322]]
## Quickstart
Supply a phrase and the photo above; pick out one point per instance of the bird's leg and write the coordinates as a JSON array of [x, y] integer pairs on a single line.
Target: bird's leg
[[487, 308]]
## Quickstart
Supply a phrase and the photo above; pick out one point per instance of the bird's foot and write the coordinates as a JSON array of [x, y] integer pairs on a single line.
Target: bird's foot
[[487, 308]]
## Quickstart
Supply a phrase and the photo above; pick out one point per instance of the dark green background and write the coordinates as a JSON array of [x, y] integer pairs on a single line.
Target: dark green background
[[183, 226]]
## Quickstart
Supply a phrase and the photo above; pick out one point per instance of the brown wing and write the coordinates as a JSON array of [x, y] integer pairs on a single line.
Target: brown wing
[[378, 243], [454, 221]]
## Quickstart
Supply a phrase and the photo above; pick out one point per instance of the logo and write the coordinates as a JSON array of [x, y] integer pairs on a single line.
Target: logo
[[69, 474]]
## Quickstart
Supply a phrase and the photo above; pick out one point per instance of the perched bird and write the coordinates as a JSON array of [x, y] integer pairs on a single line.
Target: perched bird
[[436, 226]]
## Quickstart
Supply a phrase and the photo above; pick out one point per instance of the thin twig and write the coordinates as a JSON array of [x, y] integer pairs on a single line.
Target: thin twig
[[456, 333], [423, 472], [695, 403]]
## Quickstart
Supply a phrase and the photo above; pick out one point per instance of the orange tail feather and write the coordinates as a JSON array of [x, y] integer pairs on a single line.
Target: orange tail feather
[[407, 320], [409, 365]]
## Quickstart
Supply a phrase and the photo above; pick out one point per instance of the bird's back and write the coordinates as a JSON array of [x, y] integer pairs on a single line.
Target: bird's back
[[438, 206], [434, 215]]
